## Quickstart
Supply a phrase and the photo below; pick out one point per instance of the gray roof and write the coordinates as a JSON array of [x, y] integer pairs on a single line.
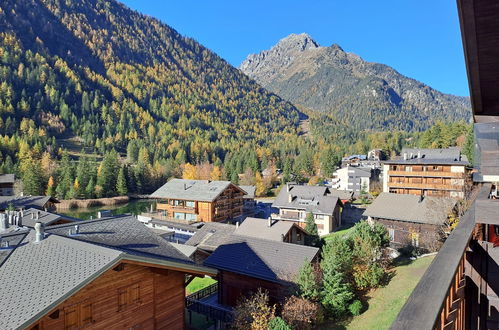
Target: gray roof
[[124, 233], [12, 236], [259, 228], [250, 191], [361, 171], [448, 156], [264, 259], [341, 194], [47, 218], [175, 225], [411, 208], [186, 250], [211, 235], [25, 201], [7, 178], [36, 277], [196, 190], [314, 199]]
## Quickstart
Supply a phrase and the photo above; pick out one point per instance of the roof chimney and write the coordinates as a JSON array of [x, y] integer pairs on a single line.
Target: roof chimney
[[287, 187], [22, 213], [39, 232], [237, 224], [37, 215], [269, 224], [185, 186], [419, 153], [4, 224], [32, 215], [405, 155], [77, 229], [290, 198]]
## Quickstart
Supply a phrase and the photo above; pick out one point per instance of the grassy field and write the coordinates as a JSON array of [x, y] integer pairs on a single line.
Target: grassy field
[[199, 283], [341, 232], [386, 302]]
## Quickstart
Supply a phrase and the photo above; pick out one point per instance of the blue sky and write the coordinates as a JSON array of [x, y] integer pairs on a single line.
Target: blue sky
[[420, 39]]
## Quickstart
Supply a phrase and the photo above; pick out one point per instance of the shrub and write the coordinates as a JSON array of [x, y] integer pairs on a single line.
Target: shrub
[[301, 313], [254, 312], [355, 308], [278, 324]]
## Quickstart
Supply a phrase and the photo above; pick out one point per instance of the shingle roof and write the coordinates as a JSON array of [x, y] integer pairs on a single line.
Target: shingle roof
[[25, 201], [259, 228], [449, 156], [36, 276], [341, 194], [211, 235], [124, 233], [47, 218], [11, 237], [7, 178], [250, 191], [411, 208], [264, 259], [309, 198], [196, 190]]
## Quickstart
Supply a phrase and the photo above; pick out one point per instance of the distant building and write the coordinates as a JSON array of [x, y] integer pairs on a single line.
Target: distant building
[[354, 179], [7, 184], [110, 273], [280, 231], [296, 201], [26, 202], [428, 172], [246, 264], [412, 220], [376, 155], [249, 203], [199, 200], [352, 160], [31, 216]]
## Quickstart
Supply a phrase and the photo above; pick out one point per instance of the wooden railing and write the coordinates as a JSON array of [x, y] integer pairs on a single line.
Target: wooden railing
[[425, 185], [427, 174]]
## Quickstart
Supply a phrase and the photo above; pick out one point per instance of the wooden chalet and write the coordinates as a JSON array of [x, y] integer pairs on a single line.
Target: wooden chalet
[[7, 184], [106, 274], [199, 200]]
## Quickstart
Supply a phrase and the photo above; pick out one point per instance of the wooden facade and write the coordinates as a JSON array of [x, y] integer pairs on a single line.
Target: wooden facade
[[128, 296], [419, 235], [228, 205], [428, 180]]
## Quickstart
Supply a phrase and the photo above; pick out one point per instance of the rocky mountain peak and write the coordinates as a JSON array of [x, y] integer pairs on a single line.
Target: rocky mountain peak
[[297, 42]]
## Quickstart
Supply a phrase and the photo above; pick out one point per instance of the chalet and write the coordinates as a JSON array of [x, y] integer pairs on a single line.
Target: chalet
[[296, 201], [31, 216], [274, 230], [199, 200], [249, 203], [26, 202], [246, 264], [412, 220], [102, 274], [7, 184], [428, 172]]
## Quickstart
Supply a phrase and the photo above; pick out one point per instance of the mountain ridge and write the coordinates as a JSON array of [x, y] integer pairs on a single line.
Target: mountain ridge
[[365, 94]]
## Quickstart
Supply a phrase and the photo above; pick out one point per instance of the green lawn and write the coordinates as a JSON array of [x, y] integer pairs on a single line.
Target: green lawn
[[199, 283], [341, 232], [386, 302]]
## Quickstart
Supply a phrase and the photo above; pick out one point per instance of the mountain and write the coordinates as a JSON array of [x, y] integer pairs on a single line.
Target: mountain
[[105, 76], [360, 94]]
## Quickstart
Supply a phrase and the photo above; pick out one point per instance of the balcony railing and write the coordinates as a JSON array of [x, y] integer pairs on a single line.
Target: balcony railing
[[438, 186], [427, 174], [437, 301], [205, 302]]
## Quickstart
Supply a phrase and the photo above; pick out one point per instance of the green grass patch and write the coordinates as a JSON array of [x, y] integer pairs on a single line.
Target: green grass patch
[[199, 283], [385, 303], [342, 231]]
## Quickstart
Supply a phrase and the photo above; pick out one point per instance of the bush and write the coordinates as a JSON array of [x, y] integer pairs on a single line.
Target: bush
[[254, 312], [368, 276], [301, 313], [278, 324], [355, 308]]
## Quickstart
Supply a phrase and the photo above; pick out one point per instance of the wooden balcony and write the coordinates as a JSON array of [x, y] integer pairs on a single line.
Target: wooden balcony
[[434, 186], [431, 174]]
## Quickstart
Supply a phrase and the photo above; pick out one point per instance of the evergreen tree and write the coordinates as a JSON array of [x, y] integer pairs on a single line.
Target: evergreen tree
[[308, 284], [32, 179], [50, 187], [313, 238], [90, 188], [121, 186], [106, 179]]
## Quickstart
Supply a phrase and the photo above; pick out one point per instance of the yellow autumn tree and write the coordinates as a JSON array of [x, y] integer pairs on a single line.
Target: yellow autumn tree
[[50, 187], [261, 189], [190, 172], [216, 173]]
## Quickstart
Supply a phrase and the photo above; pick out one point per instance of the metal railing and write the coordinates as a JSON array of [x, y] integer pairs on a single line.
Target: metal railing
[[194, 302]]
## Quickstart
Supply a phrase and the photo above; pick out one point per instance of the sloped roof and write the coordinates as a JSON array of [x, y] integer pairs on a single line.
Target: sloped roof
[[264, 259], [259, 228], [416, 156], [7, 178], [196, 190], [411, 208], [47, 218], [341, 194], [211, 235], [250, 191], [25, 201], [314, 199], [124, 233]]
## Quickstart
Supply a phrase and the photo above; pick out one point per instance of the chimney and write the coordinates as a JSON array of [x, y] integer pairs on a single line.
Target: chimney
[[185, 186], [37, 215], [10, 218], [237, 224], [77, 230], [4, 225], [405, 155], [269, 224], [20, 220], [39, 232], [32, 215], [22, 213], [419, 153], [290, 198], [287, 187]]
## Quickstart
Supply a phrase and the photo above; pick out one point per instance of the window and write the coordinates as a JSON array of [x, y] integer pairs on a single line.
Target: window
[[128, 297], [78, 316], [391, 232], [190, 204], [298, 237], [415, 239]]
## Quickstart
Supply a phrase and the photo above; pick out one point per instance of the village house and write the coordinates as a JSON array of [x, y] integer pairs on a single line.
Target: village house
[[356, 179], [25, 202], [418, 221], [428, 172], [274, 230], [31, 216], [246, 264], [209, 237], [199, 200], [7, 184], [296, 201], [249, 203], [106, 273]]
